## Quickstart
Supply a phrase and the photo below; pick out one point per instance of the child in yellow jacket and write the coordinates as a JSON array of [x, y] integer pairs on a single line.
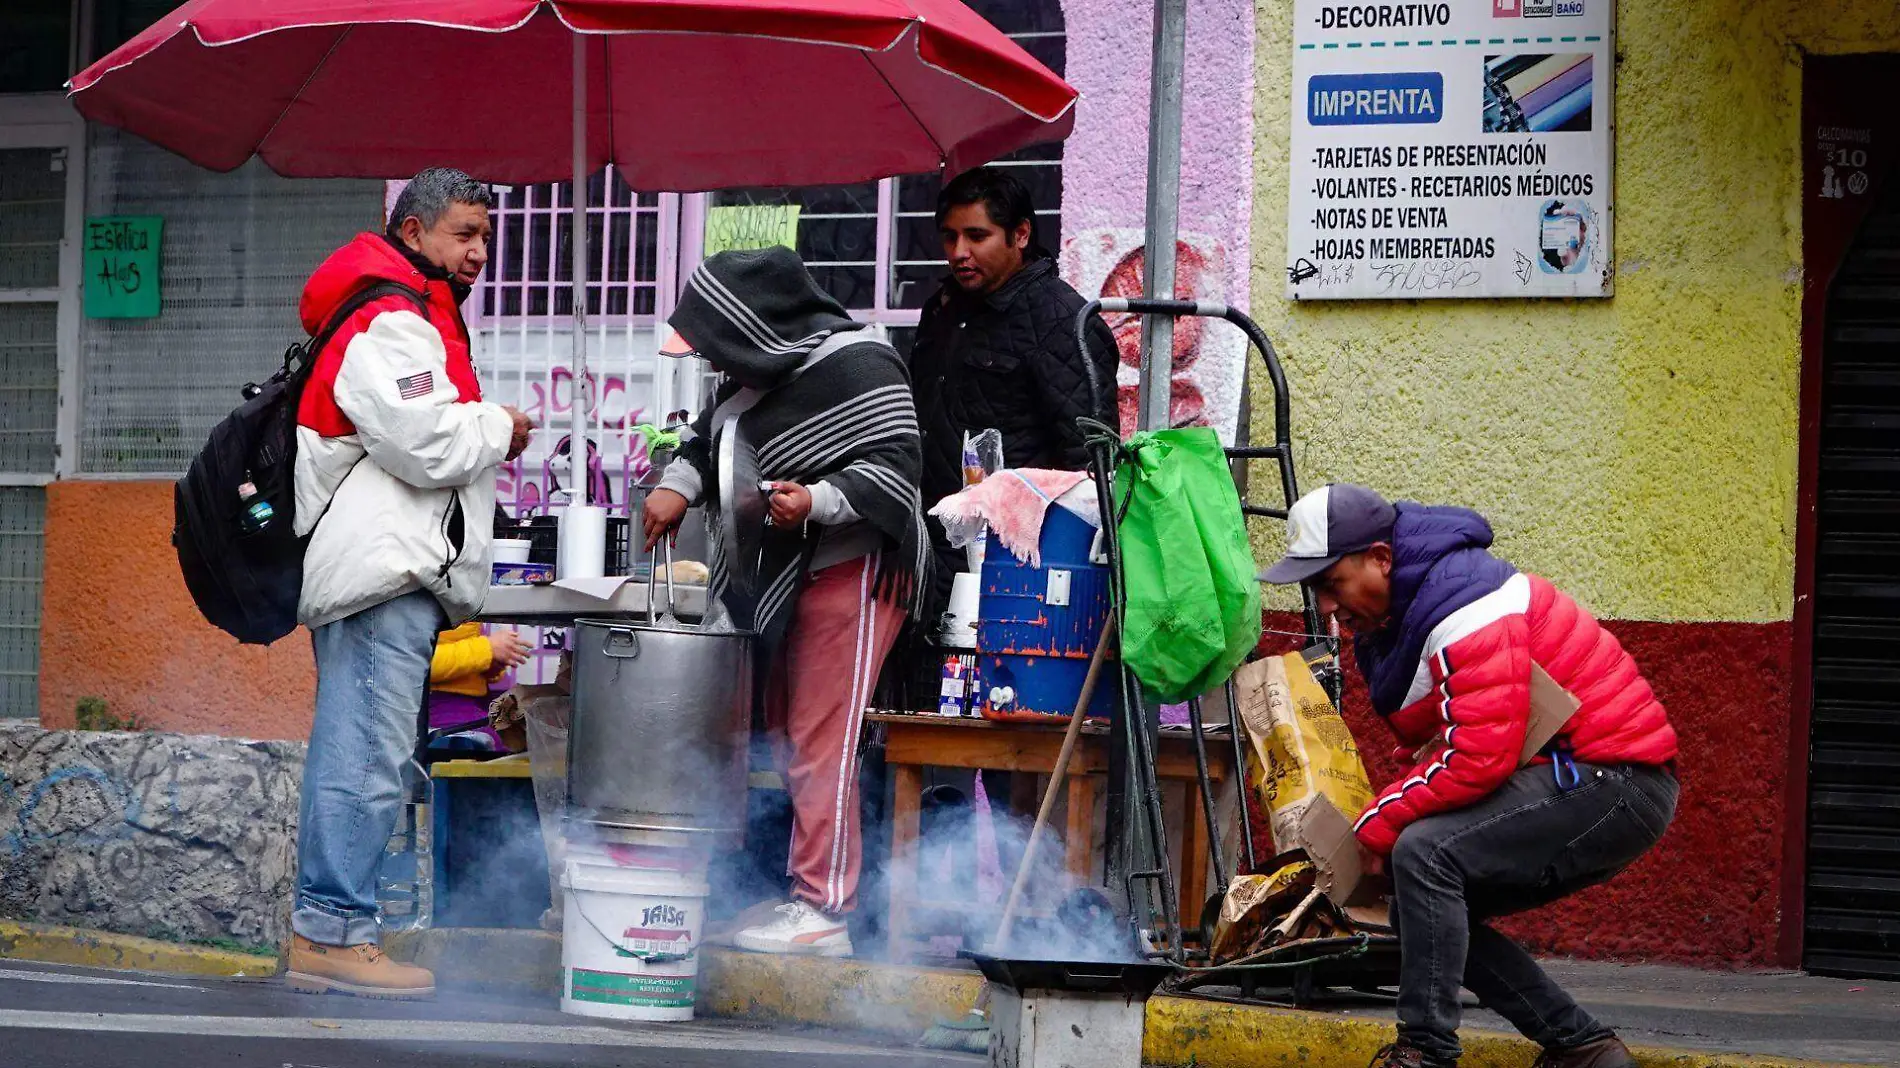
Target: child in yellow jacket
[[466, 663]]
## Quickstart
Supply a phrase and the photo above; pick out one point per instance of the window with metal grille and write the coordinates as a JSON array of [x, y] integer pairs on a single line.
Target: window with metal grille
[[838, 236], [29, 387], [238, 249], [32, 219], [22, 529], [35, 45], [115, 22], [874, 246], [521, 320], [531, 264]]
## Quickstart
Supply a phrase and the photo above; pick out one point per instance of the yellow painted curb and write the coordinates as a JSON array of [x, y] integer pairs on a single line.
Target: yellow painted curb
[[1208, 1034], [902, 1002], [884, 998], [104, 949], [852, 995]]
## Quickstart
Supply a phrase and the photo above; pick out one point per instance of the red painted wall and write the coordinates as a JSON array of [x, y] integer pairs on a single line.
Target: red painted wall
[[1709, 893], [118, 624]]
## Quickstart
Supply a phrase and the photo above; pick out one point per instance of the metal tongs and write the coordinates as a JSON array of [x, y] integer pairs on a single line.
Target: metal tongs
[[667, 619]]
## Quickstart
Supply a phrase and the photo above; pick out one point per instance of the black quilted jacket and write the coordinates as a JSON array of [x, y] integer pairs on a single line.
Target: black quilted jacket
[[1007, 361]]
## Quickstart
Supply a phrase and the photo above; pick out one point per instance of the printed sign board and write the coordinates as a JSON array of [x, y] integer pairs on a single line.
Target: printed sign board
[[749, 226], [121, 255], [1451, 149]]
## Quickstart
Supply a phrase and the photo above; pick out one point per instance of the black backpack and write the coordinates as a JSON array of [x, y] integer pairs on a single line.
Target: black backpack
[[247, 581]]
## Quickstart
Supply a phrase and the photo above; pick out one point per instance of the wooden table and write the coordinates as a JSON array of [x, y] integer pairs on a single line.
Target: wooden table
[[913, 743]]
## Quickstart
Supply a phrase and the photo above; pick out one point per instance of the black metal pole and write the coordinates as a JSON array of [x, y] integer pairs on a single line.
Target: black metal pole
[[1115, 838], [1234, 729], [1207, 799]]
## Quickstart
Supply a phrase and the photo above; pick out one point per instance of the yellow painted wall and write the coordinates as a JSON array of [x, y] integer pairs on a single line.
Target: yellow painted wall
[[1640, 450]]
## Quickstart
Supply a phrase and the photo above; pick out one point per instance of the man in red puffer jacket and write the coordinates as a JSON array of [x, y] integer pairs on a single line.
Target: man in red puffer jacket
[[1447, 636], [396, 460]]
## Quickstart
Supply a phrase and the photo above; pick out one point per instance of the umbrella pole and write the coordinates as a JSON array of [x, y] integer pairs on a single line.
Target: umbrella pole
[[578, 465], [1157, 387], [1164, 192]]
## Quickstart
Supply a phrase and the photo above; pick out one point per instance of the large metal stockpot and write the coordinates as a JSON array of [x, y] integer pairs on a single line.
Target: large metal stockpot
[[662, 719]]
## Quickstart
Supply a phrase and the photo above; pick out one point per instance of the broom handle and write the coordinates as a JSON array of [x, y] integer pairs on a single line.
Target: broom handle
[[1056, 777]]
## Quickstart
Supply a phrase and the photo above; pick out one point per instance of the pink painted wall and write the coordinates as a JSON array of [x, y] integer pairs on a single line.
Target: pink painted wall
[[1104, 191]]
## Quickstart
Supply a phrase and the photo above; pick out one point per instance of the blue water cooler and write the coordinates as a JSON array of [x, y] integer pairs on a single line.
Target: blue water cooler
[[1038, 626]]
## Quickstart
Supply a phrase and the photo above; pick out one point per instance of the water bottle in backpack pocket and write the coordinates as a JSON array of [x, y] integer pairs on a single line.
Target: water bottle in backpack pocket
[[234, 512]]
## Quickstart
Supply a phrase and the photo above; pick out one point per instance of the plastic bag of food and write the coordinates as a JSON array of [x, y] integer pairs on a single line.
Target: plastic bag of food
[[545, 710]]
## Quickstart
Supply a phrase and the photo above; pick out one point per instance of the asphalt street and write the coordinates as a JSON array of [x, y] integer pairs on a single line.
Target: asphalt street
[[52, 1016]]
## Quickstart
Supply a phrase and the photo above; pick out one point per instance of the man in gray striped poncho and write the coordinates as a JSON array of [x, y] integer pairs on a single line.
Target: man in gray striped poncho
[[845, 558]]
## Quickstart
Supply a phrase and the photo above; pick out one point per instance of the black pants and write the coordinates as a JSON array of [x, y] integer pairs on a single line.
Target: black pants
[[1526, 845]]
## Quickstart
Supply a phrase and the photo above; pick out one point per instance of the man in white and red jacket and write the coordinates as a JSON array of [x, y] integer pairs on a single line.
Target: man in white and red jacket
[[395, 479], [1447, 635]]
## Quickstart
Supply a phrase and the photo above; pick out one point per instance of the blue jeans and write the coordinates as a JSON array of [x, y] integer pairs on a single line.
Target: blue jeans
[[372, 670], [1525, 846]]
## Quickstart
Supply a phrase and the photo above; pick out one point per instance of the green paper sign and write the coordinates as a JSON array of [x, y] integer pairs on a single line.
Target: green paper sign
[[122, 262], [747, 226]]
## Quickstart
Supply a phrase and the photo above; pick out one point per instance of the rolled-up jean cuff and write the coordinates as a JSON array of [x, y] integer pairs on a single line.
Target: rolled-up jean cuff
[[329, 927]]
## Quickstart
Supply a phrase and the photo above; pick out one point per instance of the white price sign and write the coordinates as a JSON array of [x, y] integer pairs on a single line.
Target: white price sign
[[1452, 149]]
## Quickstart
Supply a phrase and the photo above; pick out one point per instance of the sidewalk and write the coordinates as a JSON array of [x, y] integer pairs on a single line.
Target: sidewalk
[[1784, 1014], [1676, 1017], [1779, 1014], [1673, 1017]]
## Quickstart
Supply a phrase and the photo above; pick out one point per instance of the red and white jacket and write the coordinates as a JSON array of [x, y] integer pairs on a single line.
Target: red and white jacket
[[396, 450], [1472, 692]]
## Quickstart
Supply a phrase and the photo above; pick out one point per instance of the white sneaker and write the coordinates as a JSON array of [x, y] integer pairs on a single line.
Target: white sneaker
[[799, 930]]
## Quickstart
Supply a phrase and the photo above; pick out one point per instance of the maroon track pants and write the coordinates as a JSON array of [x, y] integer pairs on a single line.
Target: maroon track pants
[[819, 690]]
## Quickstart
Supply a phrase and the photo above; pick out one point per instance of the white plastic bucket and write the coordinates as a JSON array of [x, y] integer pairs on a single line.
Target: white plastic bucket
[[630, 942]]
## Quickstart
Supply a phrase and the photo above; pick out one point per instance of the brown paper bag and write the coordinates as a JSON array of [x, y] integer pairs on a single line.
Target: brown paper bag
[[1305, 768], [1254, 901]]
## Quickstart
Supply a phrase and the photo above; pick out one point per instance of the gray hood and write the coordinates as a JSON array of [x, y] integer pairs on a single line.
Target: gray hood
[[755, 315]]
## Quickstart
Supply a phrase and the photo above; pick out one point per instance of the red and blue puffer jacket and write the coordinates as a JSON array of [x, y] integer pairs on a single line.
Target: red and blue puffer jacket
[[1454, 664]]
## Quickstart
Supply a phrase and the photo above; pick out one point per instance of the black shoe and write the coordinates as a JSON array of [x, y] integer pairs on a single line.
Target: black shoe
[[1405, 1055], [1603, 1053]]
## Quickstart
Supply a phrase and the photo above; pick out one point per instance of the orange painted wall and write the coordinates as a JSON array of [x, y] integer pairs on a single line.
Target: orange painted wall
[[118, 624]]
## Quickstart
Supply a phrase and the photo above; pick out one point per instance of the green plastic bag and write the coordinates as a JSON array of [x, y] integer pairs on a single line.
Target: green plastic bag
[[1193, 603]]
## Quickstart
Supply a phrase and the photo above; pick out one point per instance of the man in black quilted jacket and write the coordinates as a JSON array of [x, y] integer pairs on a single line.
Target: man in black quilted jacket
[[996, 349]]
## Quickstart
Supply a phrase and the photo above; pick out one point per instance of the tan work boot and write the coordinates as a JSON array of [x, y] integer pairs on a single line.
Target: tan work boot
[[362, 971]]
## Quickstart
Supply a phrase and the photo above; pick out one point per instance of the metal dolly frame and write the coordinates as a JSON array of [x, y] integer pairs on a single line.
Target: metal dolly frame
[[1139, 730]]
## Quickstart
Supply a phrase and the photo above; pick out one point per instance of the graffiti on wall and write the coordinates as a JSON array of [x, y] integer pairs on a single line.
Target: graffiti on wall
[[1104, 179], [1209, 357], [617, 456], [148, 834]]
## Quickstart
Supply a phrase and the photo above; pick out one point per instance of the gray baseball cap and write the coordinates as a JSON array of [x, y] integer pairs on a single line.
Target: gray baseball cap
[[1327, 524]]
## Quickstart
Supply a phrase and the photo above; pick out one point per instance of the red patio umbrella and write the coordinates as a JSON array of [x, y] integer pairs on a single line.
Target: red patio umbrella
[[679, 95]]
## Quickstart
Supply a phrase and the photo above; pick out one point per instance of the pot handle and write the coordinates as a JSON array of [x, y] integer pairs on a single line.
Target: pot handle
[[621, 638], [1087, 979]]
